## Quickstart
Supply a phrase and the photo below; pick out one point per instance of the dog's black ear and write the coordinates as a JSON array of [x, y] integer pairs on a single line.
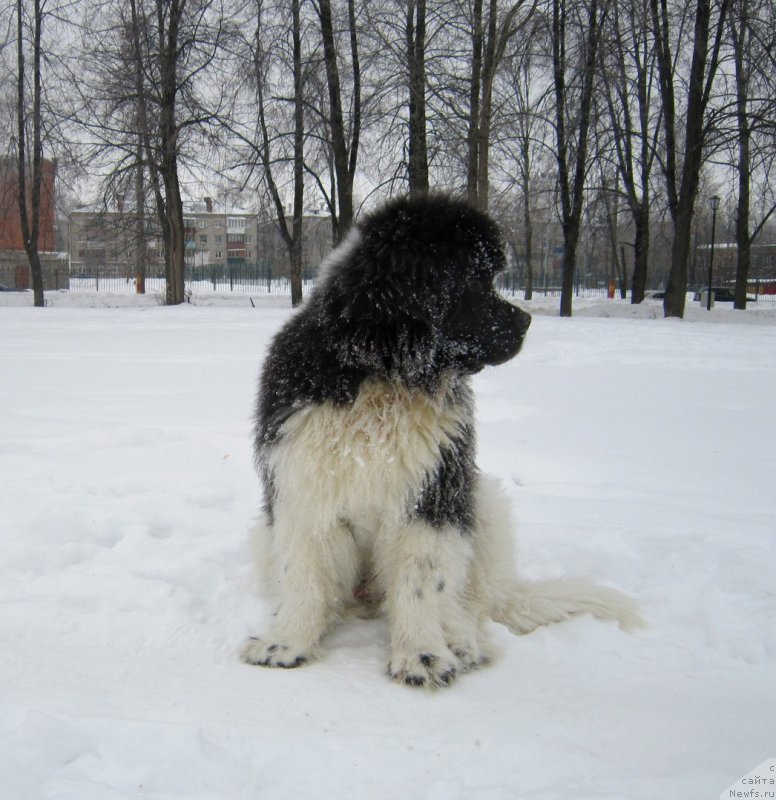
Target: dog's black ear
[[387, 295], [412, 255], [392, 274], [384, 328]]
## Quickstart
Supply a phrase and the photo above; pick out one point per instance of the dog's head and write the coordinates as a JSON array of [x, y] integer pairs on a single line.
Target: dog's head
[[411, 294]]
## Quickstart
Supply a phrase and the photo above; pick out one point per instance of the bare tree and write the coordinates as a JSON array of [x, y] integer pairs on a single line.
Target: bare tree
[[752, 39], [29, 185], [417, 166], [629, 74], [475, 90], [345, 152], [682, 166], [139, 239], [169, 16], [490, 36], [295, 245], [148, 110], [111, 89], [610, 197], [573, 73], [524, 143], [263, 65], [419, 93]]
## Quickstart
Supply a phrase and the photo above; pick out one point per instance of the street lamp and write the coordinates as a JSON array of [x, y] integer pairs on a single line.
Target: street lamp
[[714, 206]]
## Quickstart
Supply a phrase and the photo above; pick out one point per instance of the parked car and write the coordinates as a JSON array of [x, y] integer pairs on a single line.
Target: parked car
[[4, 288], [721, 294]]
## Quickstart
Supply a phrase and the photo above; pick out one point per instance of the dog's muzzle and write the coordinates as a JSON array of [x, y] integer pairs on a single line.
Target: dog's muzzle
[[508, 334]]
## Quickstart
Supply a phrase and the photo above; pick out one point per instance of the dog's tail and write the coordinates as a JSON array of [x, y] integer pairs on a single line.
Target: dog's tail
[[524, 605], [527, 605]]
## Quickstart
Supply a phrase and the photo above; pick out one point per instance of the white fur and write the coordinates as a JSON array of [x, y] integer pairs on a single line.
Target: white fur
[[340, 254], [345, 476], [523, 605], [361, 461]]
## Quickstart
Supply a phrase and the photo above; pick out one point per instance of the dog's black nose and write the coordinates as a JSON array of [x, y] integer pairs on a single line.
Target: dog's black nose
[[521, 321]]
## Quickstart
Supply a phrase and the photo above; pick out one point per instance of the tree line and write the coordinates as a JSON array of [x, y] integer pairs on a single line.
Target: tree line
[[606, 113]]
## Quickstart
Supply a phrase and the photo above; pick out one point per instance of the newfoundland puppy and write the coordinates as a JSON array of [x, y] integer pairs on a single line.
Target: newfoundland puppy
[[365, 444]]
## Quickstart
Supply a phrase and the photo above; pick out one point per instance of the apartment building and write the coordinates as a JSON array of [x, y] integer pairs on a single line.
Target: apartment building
[[218, 236], [218, 240]]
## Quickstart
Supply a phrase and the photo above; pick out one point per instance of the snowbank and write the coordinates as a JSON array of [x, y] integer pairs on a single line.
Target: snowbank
[[637, 451]]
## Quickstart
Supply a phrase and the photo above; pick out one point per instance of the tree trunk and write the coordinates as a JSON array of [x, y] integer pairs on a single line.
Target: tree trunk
[[632, 70], [355, 61], [472, 138], [743, 243], [139, 249], [739, 31], [146, 153], [142, 134], [417, 166], [676, 286], [177, 264], [491, 58], [489, 65], [641, 252], [622, 277], [527, 227], [168, 29], [338, 139], [489, 42], [293, 238], [29, 190], [296, 234], [682, 192], [572, 187], [525, 138], [568, 263], [618, 272]]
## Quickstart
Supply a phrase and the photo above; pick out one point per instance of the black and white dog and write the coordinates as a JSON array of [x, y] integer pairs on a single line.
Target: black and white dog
[[365, 444]]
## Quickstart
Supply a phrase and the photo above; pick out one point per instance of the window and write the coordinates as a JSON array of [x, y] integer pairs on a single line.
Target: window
[[203, 238]]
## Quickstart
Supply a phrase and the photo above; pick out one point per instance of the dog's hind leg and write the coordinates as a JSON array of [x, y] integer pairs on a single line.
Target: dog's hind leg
[[317, 569]]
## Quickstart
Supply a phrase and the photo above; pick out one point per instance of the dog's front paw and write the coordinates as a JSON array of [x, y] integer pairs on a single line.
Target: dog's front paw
[[266, 653], [424, 669], [469, 655]]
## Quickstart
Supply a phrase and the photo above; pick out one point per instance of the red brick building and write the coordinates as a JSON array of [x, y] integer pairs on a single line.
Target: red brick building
[[10, 224]]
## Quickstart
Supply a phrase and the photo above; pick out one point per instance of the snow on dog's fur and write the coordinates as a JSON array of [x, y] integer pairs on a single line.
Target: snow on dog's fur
[[366, 448]]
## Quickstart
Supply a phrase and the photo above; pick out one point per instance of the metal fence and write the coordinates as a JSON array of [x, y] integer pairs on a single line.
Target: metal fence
[[17, 276], [214, 279], [261, 279]]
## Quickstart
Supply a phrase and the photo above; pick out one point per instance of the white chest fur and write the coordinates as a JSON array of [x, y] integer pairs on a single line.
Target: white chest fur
[[363, 459]]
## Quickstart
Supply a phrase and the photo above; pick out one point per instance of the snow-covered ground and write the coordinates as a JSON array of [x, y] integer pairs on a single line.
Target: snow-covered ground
[[638, 451]]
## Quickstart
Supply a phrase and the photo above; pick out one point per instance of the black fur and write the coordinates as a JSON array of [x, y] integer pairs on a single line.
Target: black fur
[[409, 299]]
